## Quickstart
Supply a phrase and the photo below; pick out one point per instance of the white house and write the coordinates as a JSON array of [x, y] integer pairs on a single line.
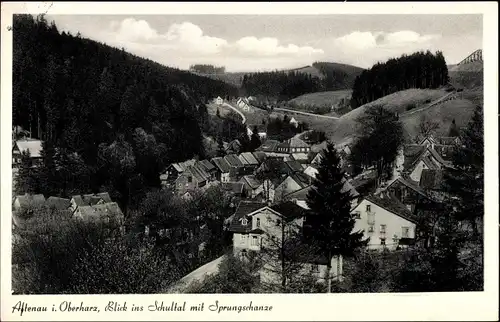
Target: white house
[[262, 130], [27, 145], [386, 221], [219, 100], [243, 103], [294, 122]]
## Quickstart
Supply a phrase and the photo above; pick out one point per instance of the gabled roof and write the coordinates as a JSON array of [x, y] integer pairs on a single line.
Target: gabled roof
[[78, 200], [409, 184], [221, 164], [92, 199], [294, 166], [392, 205], [412, 153], [289, 210], [28, 200], [206, 165], [448, 140], [302, 193], [269, 146], [244, 209], [252, 181], [294, 142], [301, 179], [301, 157], [110, 209], [197, 172], [233, 187], [249, 158], [259, 156], [34, 146], [431, 179], [233, 160], [234, 145], [58, 203], [182, 166], [445, 151]]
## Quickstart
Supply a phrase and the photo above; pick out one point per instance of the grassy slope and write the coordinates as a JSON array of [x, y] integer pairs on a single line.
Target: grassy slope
[[322, 98]]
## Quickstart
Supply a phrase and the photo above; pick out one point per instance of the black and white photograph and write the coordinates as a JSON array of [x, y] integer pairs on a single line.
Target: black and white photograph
[[252, 154]]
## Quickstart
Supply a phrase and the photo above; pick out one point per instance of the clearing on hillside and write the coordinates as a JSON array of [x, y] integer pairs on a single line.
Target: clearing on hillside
[[320, 99]]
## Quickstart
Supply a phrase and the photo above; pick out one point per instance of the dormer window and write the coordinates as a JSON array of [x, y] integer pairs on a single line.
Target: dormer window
[[244, 222]]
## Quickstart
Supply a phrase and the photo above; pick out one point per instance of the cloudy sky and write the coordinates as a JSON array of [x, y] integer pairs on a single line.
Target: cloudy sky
[[265, 42]]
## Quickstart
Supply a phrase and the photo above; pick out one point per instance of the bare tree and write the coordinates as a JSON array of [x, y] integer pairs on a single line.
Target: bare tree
[[426, 127]]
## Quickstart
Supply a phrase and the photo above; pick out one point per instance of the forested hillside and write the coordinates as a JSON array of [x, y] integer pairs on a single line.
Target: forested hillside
[[418, 70], [124, 116]]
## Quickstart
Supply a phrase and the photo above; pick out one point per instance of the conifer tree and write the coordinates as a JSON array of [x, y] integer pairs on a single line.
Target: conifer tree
[[220, 147], [331, 223], [255, 139], [464, 182], [453, 132]]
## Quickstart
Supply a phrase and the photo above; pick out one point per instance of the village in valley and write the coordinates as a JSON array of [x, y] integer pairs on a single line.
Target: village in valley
[[188, 184]]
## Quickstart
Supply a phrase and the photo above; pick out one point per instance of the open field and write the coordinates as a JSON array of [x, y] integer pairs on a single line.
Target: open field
[[328, 98]]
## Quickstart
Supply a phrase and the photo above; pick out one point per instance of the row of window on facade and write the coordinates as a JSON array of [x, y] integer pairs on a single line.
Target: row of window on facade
[[244, 222]]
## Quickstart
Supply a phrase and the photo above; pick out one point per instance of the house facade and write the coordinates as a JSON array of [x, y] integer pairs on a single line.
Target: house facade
[[222, 169], [243, 103], [192, 179], [27, 145], [219, 100], [291, 183], [293, 145], [385, 221]]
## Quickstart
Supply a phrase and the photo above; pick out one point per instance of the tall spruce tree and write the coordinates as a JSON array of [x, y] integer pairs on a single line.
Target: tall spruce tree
[[465, 181], [255, 139], [331, 223]]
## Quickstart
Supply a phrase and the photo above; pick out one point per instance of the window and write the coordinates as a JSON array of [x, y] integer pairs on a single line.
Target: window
[[371, 229], [382, 241], [255, 241], [244, 222], [190, 179], [357, 215], [382, 229], [258, 222], [406, 232], [278, 222], [243, 239], [368, 208], [315, 268]]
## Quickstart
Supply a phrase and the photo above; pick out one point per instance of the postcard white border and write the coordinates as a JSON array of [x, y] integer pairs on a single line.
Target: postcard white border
[[345, 307]]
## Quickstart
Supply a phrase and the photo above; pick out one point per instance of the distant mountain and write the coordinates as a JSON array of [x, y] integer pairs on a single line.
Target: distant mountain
[[340, 76]]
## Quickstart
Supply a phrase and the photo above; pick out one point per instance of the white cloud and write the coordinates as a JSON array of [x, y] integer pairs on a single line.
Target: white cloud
[[187, 41]]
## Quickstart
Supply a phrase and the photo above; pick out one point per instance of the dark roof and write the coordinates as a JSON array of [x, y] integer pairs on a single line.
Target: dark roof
[[393, 205], [206, 165], [58, 203], [364, 179], [221, 164], [269, 146], [92, 199], [447, 140], [233, 160], [302, 193], [197, 173], [302, 179], [234, 146], [412, 153], [290, 210], [294, 142], [294, 166], [445, 151], [233, 187], [259, 156], [249, 158], [252, 181], [409, 183], [431, 179], [242, 211]]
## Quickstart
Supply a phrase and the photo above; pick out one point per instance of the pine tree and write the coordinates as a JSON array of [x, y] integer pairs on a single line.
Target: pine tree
[[331, 223], [465, 181], [255, 139], [220, 147], [453, 131], [218, 112]]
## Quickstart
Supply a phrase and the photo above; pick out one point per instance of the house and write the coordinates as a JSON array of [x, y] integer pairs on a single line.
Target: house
[[249, 162], [58, 203], [233, 188], [291, 183], [89, 200], [259, 156], [108, 213], [417, 158], [261, 130], [311, 171], [275, 165], [219, 100], [293, 166], [300, 157], [407, 193], [173, 171], [28, 201], [294, 122], [223, 169], [253, 224], [191, 179], [233, 147], [243, 103], [269, 146], [293, 145], [209, 167], [236, 166], [387, 222], [27, 145], [251, 186], [300, 196]]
